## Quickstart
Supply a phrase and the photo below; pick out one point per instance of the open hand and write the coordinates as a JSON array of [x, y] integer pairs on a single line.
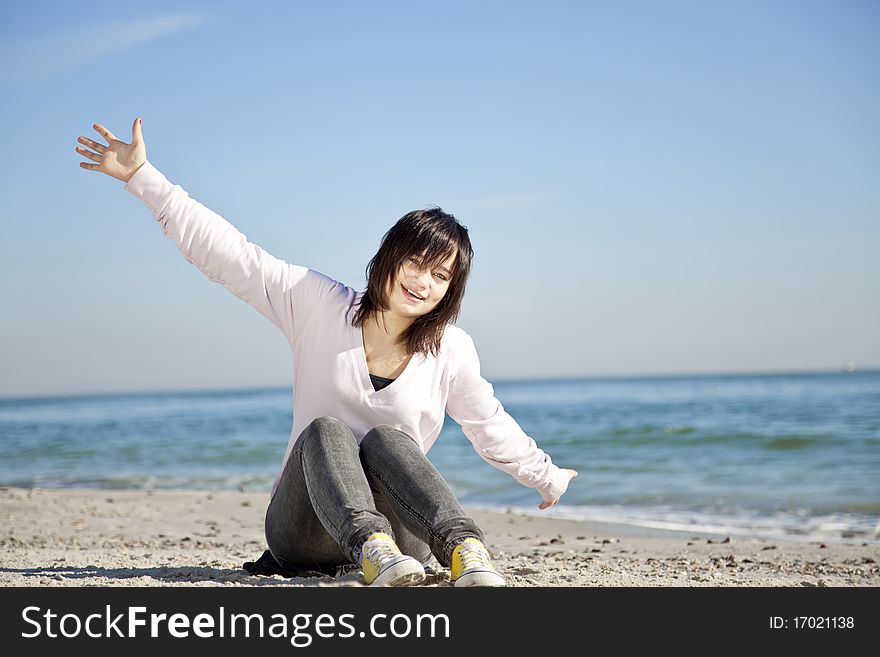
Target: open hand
[[118, 160], [546, 505]]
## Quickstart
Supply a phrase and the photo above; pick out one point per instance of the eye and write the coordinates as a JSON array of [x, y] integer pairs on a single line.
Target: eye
[[442, 277]]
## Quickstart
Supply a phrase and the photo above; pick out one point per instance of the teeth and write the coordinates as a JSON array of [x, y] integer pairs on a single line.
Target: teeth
[[413, 293]]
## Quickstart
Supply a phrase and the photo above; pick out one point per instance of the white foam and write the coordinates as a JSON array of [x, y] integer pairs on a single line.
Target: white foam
[[790, 526]]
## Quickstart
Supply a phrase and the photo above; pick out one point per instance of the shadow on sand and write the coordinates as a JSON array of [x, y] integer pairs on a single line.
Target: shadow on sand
[[174, 574]]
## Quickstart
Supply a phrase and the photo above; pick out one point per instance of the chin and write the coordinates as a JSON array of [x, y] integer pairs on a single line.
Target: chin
[[410, 311]]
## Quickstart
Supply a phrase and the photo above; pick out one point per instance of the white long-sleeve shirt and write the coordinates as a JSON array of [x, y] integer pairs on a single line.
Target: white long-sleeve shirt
[[330, 375]]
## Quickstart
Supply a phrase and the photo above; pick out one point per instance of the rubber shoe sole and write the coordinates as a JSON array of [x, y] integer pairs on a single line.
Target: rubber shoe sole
[[404, 572], [481, 578]]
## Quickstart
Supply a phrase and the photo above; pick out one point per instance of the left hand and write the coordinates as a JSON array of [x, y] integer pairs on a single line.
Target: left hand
[[546, 505]]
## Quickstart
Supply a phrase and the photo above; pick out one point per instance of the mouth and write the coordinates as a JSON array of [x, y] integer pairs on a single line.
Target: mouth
[[412, 296]]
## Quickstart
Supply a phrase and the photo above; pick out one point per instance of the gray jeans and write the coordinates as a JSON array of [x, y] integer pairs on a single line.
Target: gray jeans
[[333, 494]]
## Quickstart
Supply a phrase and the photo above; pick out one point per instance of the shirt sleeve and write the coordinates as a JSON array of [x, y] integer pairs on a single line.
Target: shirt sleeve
[[283, 292], [495, 435]]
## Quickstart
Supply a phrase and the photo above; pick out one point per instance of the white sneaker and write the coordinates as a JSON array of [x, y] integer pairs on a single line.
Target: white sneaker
[[383, 564], [471, 565]]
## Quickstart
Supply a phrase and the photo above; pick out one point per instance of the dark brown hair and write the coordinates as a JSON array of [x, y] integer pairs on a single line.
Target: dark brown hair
[[432, 236]]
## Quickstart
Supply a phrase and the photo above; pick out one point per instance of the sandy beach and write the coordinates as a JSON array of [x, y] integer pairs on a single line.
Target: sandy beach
[[200, 538]]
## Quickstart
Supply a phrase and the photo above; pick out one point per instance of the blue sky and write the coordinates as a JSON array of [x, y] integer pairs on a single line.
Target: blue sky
[[651, 188]]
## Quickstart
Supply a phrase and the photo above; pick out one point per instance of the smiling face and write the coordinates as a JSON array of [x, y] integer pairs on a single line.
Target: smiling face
[[418, 287], [416, 280]]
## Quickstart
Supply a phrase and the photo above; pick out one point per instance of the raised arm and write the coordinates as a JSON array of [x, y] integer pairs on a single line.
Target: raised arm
[[282, 292]]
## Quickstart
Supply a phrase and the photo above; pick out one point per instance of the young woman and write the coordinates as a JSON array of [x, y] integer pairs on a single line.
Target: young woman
[[373, 374]]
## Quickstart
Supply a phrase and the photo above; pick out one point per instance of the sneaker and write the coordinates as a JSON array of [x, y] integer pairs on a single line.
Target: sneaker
[[383, 564], [471, 565]]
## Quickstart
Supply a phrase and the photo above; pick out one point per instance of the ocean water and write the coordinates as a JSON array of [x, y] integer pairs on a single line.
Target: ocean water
[[788, 455]]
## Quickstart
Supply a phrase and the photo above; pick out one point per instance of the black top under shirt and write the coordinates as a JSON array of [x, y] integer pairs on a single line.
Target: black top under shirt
[[380, 382]]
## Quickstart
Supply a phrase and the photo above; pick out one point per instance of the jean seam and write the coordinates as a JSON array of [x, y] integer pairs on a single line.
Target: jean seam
[[318, 511]]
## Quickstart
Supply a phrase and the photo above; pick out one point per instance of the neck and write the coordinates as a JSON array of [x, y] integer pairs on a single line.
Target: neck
[[389, 325]]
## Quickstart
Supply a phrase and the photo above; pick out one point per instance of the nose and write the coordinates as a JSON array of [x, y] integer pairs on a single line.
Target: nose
[[423, 279], [420, 278]]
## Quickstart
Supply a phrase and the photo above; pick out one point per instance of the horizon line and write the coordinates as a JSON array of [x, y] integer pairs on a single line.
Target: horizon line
[[545, 379]]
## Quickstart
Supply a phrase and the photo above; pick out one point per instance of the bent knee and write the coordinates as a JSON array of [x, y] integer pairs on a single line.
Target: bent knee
[[386, 435], [326, 422], [328, 428], [381, 432]]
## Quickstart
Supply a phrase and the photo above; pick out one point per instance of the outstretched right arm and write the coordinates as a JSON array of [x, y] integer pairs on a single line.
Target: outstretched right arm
[[283, 292]]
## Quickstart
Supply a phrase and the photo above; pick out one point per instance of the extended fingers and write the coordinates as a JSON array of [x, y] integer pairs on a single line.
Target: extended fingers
[[87, 153], [92, 144], [104, 132]]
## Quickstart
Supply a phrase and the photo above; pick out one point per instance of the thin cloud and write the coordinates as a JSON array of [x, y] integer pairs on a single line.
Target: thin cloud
[[38, 58]]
